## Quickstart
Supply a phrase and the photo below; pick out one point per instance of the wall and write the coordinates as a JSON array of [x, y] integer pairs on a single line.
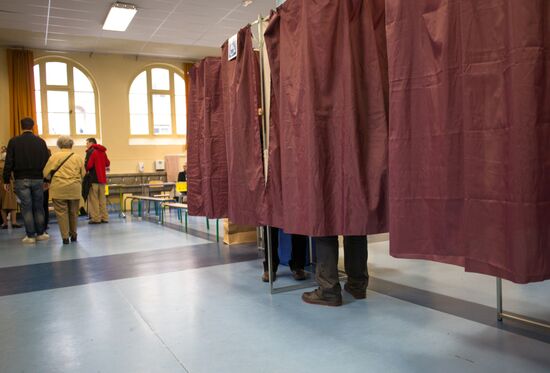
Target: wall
[[113, 75]]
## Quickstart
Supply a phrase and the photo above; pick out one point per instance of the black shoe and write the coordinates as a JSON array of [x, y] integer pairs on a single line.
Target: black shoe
[[104, 222], [316, 297], [94, 222], [18, 226], [299, 275], [65, 241], [73, 238], [265, 276], [4, 226], [357, 293]]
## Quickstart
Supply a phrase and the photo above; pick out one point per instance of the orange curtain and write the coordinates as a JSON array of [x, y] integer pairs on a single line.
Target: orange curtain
[[186, 67], [21, 88]]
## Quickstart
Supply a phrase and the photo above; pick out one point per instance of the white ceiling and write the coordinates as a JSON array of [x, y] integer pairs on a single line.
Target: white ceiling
[[188, 29]]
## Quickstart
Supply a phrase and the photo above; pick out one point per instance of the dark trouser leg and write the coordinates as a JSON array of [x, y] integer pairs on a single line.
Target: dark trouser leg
[[46, 208], [274, 249], [355, 261], [73, 216], [61, 207], [298, 253], [37, 191], [326, 273], [23, 191]]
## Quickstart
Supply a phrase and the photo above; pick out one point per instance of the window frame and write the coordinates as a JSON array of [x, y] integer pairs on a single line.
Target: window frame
[[69, 88], [150, 93]]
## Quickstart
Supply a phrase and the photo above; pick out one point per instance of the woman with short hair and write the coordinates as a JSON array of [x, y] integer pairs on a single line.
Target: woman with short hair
[[64, 172]]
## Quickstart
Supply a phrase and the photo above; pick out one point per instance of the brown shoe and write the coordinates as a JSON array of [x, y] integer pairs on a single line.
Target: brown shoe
[[316, 297], [299, 275], [356, 292], [265, 276]]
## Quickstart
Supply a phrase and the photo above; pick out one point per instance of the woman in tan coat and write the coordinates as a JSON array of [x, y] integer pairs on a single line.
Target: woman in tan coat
[[65, 186], [8, 201]]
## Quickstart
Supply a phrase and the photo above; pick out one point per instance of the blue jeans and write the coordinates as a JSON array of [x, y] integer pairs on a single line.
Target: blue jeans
[[31, 195]]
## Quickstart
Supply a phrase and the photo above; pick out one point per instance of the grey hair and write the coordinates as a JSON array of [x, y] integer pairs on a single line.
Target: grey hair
[[65, 142]]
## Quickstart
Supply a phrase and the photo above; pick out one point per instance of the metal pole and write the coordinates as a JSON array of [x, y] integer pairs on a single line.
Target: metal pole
[[499, 299], [269, 261]]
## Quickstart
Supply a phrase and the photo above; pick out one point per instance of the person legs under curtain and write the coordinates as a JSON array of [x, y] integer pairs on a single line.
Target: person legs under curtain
[[355, 263], [274, 253], [297, 261], [329, 292]]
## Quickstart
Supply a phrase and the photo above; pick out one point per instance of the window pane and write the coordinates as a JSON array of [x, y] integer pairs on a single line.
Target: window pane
[[139, 124], [58, 112], [85, 122], [37, 77], [85, 113], [160, 79], [138, 104], [81, 81], [139, 85], [181, 117], [56, 73], [58, 101], [37, 98], [59, 123], [162, 115], [179, 85], [39, 123]]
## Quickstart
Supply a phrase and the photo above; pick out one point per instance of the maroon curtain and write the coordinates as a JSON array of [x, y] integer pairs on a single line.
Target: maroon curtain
[[328, 140], [470, 134], [206, 155], [241, 91]]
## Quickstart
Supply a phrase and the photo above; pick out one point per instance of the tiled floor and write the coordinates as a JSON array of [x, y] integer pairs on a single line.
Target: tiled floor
[[204, 317]]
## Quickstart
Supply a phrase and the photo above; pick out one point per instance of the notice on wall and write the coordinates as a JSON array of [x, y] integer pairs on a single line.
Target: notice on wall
[[232, 48]]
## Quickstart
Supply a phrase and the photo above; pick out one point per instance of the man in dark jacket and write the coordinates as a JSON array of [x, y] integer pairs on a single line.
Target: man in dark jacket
[[96, 164], [26, 157]]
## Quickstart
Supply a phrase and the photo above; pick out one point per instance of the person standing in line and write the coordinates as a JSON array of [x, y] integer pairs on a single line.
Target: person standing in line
[[329, 292], [96, 164], [8, 201], [26, 157], [65, 171]]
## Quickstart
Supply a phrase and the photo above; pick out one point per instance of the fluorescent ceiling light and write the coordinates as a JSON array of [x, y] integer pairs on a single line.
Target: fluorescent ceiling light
[[119, 17], [247, 2]]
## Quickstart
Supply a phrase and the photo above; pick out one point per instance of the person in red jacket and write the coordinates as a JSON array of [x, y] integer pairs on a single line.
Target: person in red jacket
[[96, 164]]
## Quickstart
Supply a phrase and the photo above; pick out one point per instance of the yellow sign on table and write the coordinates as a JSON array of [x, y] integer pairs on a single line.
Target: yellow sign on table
[[181, 186]]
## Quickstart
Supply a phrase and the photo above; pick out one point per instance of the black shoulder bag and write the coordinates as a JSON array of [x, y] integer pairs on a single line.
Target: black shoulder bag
[[49, 178]]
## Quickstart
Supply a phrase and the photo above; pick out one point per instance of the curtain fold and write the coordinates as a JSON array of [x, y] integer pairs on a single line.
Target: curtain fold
[[328, 126], [470, 134], [241, 95], [186, 67], [21, 88], [206, 154]]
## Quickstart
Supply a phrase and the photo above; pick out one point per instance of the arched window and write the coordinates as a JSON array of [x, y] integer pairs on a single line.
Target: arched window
[[66, 99], [157, 102]]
